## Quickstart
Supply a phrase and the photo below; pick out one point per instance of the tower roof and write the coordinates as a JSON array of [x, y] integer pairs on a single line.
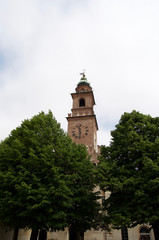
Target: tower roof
[[83, 80]]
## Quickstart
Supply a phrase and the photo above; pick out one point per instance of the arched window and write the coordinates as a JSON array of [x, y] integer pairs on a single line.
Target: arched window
[[82, 102], [144, 233]]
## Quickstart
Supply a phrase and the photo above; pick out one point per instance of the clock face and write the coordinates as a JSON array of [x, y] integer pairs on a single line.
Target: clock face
[[80, 131]]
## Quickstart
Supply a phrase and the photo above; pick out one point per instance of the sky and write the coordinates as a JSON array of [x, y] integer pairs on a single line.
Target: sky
[[46, 44]]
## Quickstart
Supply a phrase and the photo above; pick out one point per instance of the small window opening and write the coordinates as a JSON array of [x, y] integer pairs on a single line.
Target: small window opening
[[82, 102], [103, 200]]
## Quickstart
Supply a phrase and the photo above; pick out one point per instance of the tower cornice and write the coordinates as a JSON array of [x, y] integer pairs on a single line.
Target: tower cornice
[[70, 117]]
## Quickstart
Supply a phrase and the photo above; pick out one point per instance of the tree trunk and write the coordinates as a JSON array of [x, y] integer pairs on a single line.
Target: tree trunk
[[155, 227], [15, 234], [78, 236], [34, 235], [82, 235], [42, 234]]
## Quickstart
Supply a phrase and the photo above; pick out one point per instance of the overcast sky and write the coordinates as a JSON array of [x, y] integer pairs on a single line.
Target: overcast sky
[[45, 44]]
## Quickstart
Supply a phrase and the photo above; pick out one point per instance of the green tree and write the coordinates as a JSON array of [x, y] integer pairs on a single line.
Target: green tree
[[129, 169], [43, 177], [33, 191]]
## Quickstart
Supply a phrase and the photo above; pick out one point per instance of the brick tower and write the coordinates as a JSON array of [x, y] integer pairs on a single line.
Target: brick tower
[[82, 123]]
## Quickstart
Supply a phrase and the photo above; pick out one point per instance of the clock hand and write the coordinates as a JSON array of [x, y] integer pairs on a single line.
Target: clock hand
[[79, 129]]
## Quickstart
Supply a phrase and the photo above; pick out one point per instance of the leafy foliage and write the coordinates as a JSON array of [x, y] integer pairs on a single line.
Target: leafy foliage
[[47, 181], [129, 169]]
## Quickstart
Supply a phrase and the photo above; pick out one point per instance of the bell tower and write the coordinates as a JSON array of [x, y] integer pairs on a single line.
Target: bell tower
[[82, 123]]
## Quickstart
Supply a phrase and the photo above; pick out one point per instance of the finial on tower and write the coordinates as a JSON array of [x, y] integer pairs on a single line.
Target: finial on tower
[[83, 78], [83, 73]]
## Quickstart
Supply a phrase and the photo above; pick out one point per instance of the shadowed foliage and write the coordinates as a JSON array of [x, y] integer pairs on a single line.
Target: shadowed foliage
[[129, 169]]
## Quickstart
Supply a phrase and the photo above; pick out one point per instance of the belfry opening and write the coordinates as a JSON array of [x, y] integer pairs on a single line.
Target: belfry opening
[[82, 102]]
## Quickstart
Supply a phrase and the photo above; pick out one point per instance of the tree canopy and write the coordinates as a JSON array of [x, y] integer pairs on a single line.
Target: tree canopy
[[47, 181], [129, 170]]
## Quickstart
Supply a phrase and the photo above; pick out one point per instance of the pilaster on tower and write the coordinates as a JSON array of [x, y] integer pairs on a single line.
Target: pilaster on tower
[[82, 123]]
